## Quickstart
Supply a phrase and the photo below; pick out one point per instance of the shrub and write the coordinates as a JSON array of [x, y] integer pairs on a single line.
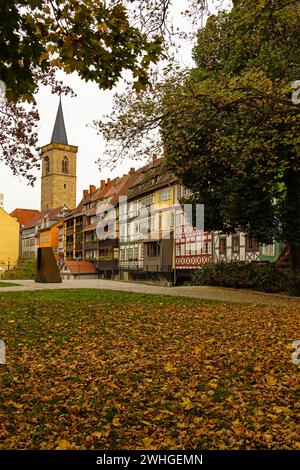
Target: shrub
[[25, 269], [257, 276]]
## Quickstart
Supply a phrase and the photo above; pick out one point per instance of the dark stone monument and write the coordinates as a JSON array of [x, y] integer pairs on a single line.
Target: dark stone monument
[[47, 269]]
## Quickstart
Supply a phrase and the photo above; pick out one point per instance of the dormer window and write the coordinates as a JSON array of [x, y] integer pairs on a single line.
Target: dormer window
[[65, 165]]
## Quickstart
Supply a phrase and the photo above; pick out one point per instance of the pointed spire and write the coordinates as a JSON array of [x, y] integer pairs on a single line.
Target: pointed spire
[[59, 135]]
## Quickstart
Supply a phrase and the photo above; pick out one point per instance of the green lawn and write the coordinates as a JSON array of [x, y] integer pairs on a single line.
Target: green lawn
[[89, 369], [7, 284]]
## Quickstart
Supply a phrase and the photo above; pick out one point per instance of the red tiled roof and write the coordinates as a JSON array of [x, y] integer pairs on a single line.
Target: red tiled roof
[[125, 182], [106, 191], [152, 176], [110, 191], [80, 267], [35, 219], [24, 216], [51, 213]]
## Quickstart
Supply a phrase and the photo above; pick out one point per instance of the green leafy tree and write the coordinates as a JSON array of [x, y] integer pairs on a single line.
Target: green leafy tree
[[98, 39], [239, 152], [92, 37], [229, 127]]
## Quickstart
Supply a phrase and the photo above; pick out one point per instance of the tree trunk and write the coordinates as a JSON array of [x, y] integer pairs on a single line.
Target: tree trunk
[[295, 256], [292, 217]]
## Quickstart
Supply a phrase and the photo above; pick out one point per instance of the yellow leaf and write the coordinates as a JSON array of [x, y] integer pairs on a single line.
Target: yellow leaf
[[170, 367], [167, 412], [213, 383], [18, 406], [198, 350], [63, 444], [116, 421], [281, 409], [44, 56], [271, 380], [148, 443], [196, 420], [186, 403], [102, 27], [180, 424]]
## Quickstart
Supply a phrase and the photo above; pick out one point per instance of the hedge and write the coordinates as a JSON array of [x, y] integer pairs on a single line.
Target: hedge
[[265, 277]]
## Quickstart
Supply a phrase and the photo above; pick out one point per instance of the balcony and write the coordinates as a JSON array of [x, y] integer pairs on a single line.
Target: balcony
[[91, 245], [107, 263]]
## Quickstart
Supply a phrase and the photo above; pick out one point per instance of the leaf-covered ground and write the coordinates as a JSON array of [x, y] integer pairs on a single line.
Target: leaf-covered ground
[[101, 369]]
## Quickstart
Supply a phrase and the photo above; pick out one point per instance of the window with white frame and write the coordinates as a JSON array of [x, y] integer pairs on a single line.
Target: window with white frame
[[268, 250], [129, 230], [122, 231], [130, 253], [235, 243], [204, 247], [170, 219], [167, 220], [141, 251], [164, 194]]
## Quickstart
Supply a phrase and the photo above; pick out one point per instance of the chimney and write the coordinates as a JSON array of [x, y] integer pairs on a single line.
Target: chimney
[[108, 181], [85, 193], [154, 157], [93, 189], [102, 184], [132, 171]]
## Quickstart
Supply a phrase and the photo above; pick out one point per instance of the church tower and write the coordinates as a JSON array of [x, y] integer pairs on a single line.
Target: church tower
[[58, 168]]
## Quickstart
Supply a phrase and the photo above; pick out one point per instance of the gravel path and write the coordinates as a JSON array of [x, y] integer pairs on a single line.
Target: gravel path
[[198, 292]]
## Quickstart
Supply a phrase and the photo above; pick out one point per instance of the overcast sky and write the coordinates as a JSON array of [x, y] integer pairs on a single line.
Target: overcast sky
[[90, 104]]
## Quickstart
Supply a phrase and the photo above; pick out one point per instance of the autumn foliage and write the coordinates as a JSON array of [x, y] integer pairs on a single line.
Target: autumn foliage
[[107, 370]]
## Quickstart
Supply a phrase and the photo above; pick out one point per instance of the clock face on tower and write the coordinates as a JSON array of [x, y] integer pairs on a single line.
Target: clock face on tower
[[59, 160]]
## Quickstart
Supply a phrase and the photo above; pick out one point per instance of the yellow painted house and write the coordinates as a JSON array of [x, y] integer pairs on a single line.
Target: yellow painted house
[[9, 241]]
